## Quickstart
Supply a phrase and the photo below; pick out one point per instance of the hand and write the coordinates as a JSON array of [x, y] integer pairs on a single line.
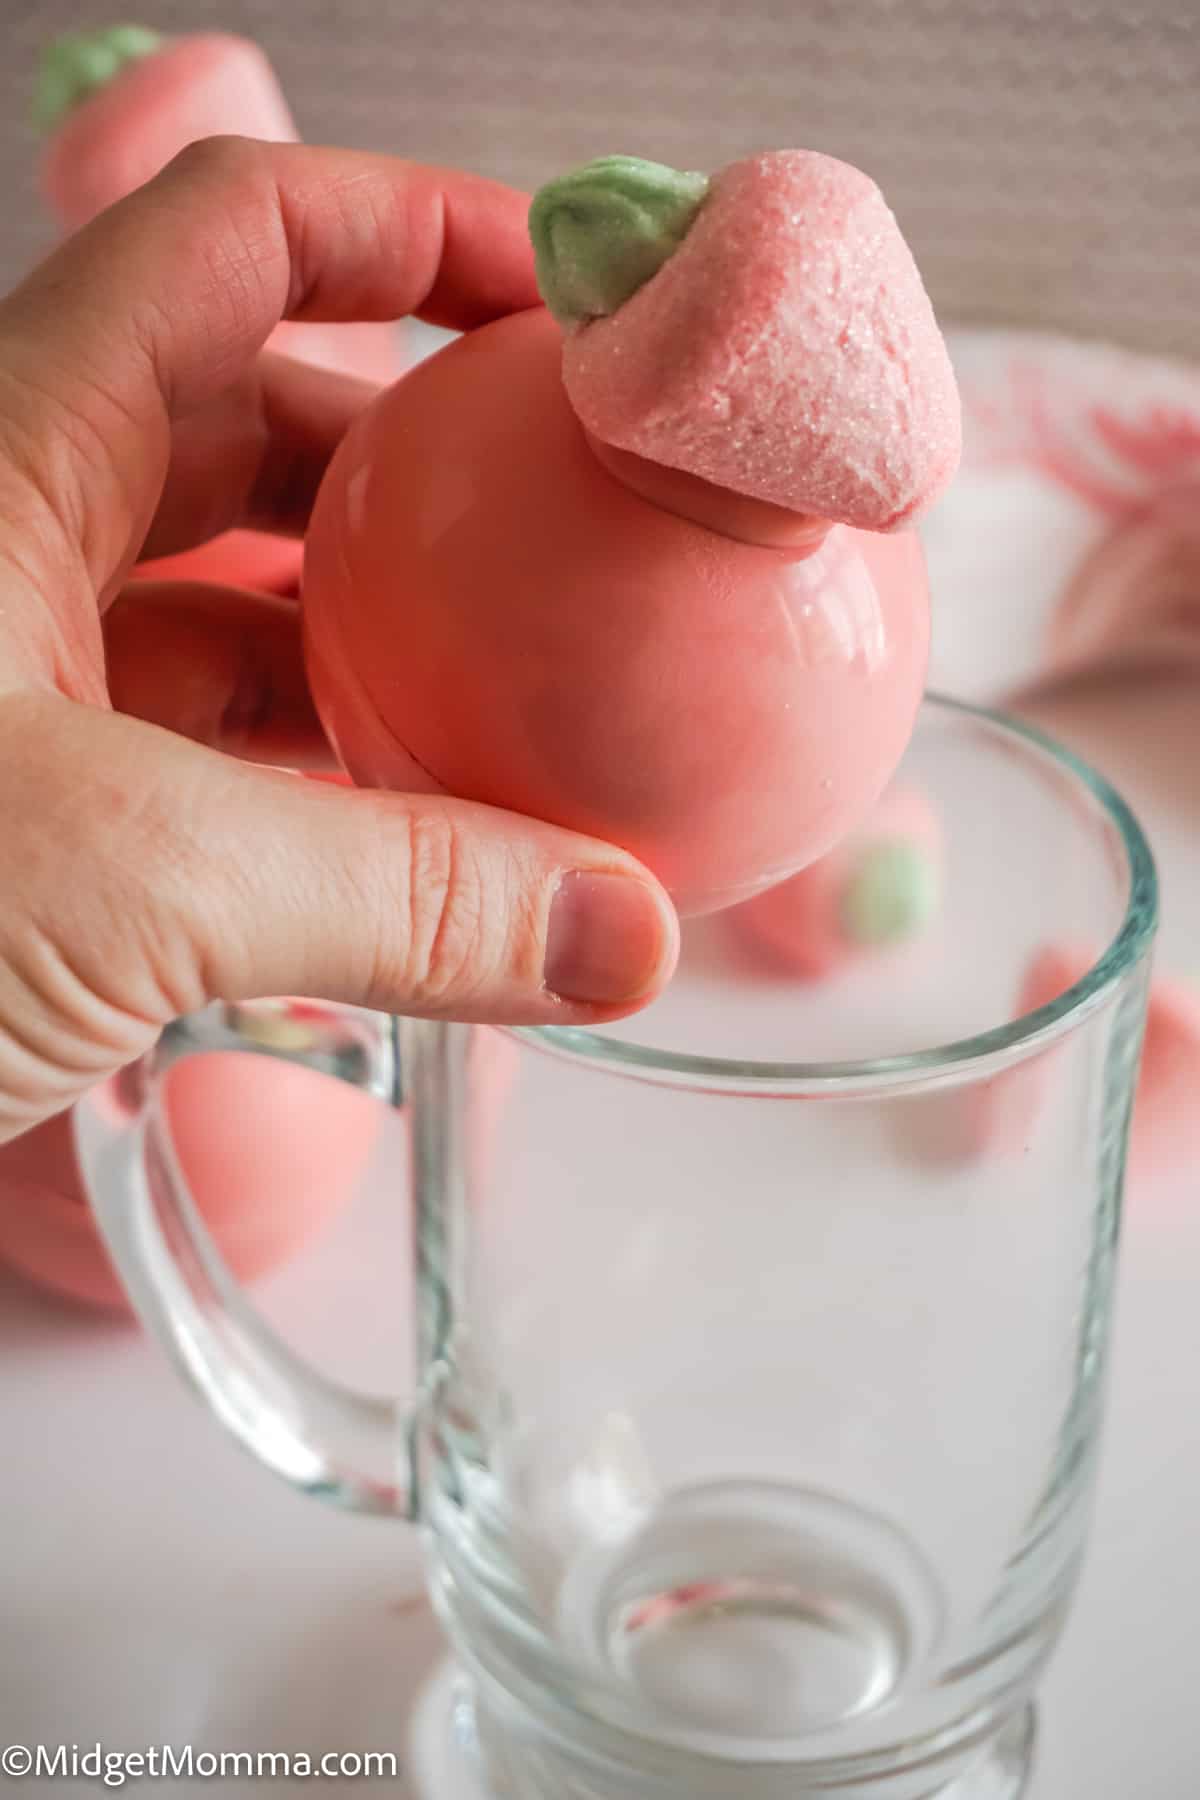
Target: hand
[[149, 866]]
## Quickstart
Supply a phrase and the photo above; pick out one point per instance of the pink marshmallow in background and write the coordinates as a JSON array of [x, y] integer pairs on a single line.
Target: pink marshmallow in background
[[998, 1116], [1166, 1113], [1166, 1117], [878, 890], [118, 137], [203, 85], [1165, 1131]]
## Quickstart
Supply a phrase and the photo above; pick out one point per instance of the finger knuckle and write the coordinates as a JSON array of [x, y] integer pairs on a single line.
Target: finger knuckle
[[228, 162], [454, 944], [240, 255]]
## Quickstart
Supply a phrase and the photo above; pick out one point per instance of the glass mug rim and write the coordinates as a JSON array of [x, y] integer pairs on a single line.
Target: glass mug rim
[[1003, 1044]]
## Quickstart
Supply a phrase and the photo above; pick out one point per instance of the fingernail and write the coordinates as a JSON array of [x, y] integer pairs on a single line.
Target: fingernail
[[608, 938]]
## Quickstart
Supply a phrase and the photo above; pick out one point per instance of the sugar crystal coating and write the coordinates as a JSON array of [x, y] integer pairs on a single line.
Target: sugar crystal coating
[[787, 351]]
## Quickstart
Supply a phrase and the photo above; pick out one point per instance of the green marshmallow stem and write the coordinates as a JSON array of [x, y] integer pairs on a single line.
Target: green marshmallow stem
[[601, 232], [892, 895], [79, 65]]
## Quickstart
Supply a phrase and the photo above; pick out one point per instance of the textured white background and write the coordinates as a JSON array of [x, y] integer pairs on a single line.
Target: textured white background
[[1041, 154]]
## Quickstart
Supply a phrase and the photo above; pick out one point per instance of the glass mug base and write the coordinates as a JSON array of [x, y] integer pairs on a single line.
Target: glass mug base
[[446, 1761], [753, 1611]]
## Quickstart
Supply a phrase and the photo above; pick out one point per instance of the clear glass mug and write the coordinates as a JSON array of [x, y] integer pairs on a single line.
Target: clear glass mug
[[761, 1340]]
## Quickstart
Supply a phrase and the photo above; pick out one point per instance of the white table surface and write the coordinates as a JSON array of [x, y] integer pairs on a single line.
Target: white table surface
[[158, 1587]]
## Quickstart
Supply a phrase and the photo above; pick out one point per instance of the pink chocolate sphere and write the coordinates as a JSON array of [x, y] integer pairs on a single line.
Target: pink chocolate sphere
[[491, 612]]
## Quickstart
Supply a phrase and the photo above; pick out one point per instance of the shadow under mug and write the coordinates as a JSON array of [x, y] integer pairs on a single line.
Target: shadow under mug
[[760, 1339]]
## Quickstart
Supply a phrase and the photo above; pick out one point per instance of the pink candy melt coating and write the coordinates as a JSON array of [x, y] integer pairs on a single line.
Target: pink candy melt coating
[[787, 350], [489, 612]]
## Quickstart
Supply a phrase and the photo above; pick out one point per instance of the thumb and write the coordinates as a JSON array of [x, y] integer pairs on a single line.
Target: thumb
[[152, 876]]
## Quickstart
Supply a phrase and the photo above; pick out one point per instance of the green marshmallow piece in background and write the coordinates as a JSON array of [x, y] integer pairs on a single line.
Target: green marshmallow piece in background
[[131, 41], [892, 895], [78, 65], [601, 232]]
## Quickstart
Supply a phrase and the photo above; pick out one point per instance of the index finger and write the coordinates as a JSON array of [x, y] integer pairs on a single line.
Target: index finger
[[169, 295]]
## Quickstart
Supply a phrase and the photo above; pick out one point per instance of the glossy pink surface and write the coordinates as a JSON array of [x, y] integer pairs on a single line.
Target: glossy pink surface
[[199, 86], [799, 925], [271, 1152], [489, 612]]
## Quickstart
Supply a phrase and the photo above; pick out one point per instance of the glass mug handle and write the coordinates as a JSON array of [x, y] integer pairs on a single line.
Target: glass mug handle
[[347, 1447]]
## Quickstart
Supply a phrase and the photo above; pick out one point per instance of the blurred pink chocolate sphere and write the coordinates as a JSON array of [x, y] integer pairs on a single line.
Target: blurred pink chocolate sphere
[[271, 1152]]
